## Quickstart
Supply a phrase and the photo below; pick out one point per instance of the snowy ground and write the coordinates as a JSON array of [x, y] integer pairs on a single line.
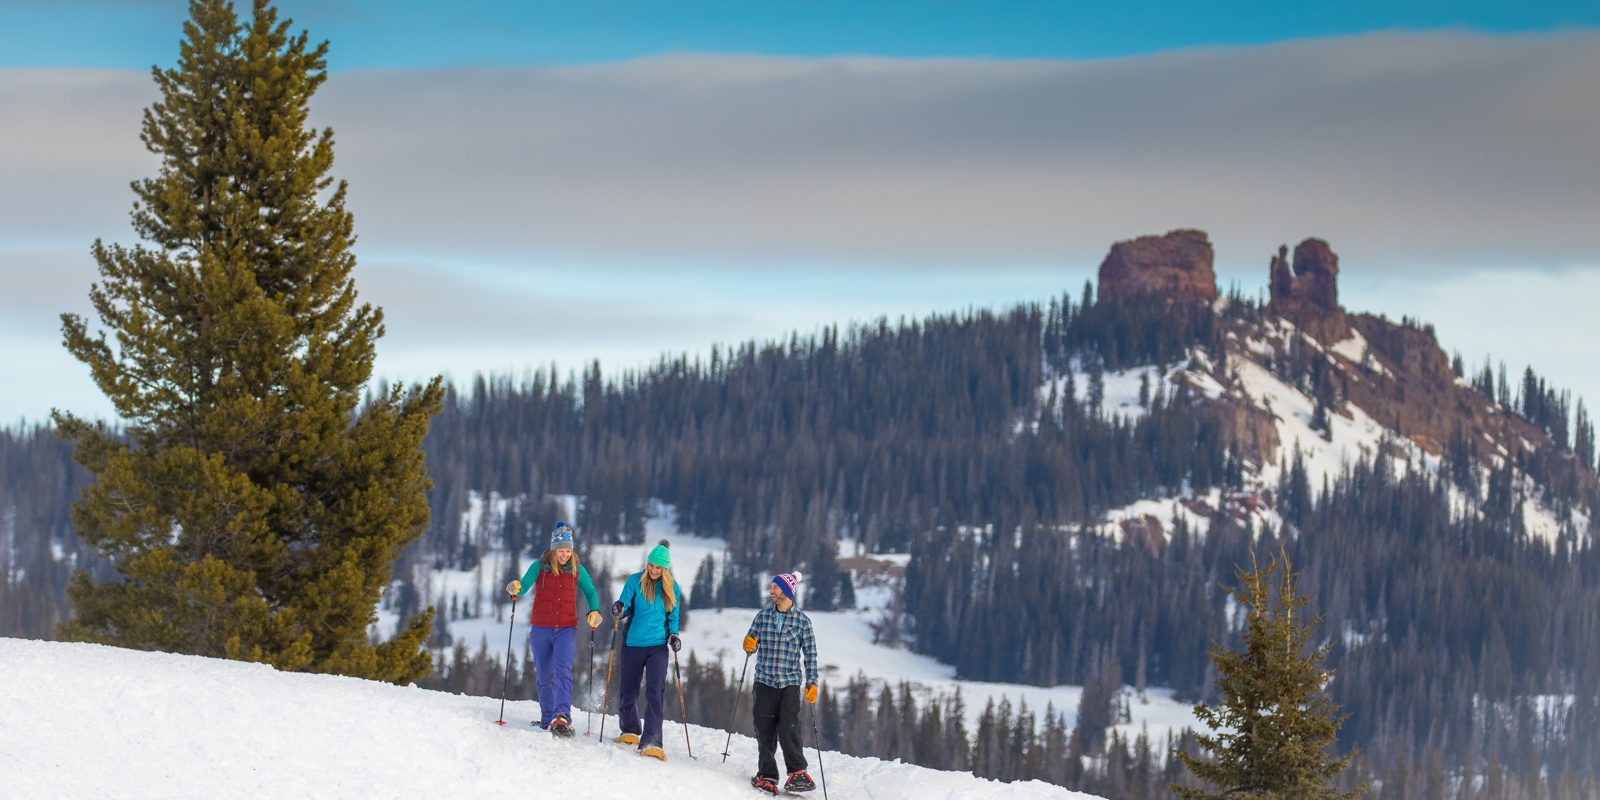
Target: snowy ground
[[1120, 396], [1353, 438], [88, 721]]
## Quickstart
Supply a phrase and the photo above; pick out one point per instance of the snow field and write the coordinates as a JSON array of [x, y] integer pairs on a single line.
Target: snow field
[[1353, 438], [1120, 397], [1166, 510], [89, 721]]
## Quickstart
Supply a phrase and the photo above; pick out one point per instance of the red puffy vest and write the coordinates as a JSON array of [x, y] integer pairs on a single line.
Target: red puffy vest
[[555, 599]]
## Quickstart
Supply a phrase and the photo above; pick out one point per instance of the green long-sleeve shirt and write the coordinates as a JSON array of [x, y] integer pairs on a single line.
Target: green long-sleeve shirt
[[585, 584]]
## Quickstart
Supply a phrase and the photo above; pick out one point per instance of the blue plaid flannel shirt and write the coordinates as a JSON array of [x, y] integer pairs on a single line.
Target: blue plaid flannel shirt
[[783, 641]]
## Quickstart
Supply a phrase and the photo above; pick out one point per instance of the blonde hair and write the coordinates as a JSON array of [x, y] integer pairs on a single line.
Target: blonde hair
[[551, 564], [648, 587]]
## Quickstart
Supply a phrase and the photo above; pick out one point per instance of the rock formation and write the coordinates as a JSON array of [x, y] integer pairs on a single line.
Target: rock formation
[[1308, 295], [1177, 266]]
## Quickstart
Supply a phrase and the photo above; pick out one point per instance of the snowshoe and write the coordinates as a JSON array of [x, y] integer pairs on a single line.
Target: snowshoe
[[654, 751], [561, 727], [627, 738], [764, 784], [798, 782]]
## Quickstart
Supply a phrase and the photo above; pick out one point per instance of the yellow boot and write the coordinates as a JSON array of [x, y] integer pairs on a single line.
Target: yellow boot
[[654, 751], [627, 738]]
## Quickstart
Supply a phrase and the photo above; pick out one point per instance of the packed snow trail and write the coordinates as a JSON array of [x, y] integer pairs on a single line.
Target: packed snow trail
[[89, 721]]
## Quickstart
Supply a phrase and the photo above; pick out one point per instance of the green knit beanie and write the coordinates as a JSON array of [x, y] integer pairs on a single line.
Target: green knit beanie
[[661, 556]]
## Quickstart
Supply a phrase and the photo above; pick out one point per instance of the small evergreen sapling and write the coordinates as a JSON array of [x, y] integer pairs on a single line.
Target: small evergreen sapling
[[1271, 737]]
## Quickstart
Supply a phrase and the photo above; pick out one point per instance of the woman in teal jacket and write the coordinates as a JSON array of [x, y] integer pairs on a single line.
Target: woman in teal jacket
[[651, 599]]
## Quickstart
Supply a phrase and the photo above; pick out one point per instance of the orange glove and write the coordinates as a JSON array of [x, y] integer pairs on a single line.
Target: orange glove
[[594, 620], [749, 644], [513, 588], [811, 693]]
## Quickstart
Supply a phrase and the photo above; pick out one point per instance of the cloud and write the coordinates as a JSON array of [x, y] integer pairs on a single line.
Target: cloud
[[1438, 148], [514, 216]]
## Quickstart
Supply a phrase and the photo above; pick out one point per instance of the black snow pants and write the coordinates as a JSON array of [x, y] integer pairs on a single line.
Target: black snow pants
[[777, 717]]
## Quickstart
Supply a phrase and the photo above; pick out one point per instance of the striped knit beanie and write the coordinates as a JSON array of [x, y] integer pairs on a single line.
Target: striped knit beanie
[[787, 582], [561, 537]]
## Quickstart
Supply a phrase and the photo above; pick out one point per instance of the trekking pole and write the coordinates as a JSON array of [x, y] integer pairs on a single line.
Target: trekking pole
[[682, 706], [588, 729], [817, 738], [612, 650], [506, 674], [735, 713]]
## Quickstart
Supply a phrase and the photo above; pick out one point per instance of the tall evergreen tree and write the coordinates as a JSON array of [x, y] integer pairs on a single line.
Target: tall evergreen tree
[[1275, 727], [253, 505]]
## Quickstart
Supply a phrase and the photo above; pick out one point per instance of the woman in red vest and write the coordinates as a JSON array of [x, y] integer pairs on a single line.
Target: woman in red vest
[[553, 638]]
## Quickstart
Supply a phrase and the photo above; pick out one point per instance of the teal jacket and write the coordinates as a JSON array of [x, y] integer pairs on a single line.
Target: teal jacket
[[651, 620]]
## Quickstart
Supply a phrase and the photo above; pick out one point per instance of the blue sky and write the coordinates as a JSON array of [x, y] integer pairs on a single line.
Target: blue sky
[[426, 33], [556, 182]]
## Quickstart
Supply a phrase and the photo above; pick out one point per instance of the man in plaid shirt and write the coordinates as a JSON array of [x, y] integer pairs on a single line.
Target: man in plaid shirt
[[786, 659]]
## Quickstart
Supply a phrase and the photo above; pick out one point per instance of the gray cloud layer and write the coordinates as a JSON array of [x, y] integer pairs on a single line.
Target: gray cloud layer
[[1435, 147], [578, 188]]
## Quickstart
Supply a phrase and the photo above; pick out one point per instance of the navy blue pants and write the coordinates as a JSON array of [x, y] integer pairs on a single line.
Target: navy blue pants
[[652, 663], [552, 656]]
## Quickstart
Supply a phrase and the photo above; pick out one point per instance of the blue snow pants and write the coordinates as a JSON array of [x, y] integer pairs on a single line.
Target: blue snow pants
[[652, 662], [552, 657]]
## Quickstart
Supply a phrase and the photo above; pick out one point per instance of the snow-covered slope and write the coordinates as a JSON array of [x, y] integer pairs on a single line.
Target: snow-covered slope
[[88, 721], [1353, 434]]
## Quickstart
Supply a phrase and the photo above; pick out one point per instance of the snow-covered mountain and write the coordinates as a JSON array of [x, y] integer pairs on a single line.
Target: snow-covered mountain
[[88, 721], [1309, 380]]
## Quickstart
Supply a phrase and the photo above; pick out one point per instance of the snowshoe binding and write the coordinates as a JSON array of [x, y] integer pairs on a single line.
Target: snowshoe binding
[[627, 738], [560, 726], [764, 784], [799, 782]]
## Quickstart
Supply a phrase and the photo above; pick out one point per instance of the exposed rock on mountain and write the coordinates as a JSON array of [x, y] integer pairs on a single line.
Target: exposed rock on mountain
[[1308, 295], [1409, 387], [1251, 430], [1177, 266]]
